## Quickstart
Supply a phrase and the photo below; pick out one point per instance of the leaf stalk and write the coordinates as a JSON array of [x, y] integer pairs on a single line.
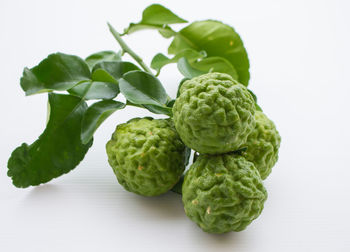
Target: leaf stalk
[[128, 50]]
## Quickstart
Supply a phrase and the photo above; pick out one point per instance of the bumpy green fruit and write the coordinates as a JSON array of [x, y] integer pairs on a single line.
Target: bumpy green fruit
[[223, 193], [147, 155], [214, 113], [263, 144]]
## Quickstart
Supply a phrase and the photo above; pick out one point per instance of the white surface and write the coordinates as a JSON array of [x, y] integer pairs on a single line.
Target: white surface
[[299, 53]]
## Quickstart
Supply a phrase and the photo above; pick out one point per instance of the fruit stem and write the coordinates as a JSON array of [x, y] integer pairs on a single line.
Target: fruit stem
[[127, 49]]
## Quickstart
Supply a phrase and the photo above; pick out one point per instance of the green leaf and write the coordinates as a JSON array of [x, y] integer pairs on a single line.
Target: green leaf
[[103, 76], [181, 83], [166, 31], [116, 69], [156, 109], [170, 103], [57, 151], [92, 90], [187, 70], [143, 88], [216, 64], [160, 60], [57, 72], [257, 107], [218, 40], [95, 116], [95, 58], [157, 17], [178, 186], [253, 95]]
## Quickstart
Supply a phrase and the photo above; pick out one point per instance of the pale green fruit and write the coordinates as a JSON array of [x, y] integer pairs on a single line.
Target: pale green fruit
[[223, 193], [214, 114], [147, 155], [263, 144]]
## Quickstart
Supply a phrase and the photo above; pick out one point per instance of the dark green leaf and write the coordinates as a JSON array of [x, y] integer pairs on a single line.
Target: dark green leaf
[[170, 103], [143, 88], [95, 115], [95, 90], [181, 82], [239, 151], [160, 60], [187, 70], [95, 58], [216, 64], [195, 156], [253, 95], [103, 75], [105, 80], [178, 186], [218, 40], [257, 107], [187, 155], [115, 68], [57, 151], [157, 17], [163, 110], [57, 72]]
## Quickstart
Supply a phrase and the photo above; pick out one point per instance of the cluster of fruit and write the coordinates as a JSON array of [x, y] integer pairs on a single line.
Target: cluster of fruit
[[237, 144]]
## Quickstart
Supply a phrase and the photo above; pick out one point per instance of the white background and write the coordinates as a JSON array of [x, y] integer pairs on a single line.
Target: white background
[[299, 54]]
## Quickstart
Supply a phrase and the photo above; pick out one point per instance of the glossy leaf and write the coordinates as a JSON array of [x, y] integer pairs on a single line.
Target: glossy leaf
[[57, 151], [103, 76], [160, 60], [178, 186], [156, 109], [187, 70], [95, 58], [115, 68], [157, 17], [57, 72], [257, 107], [216, 64], [142, 88], [95, 116], [218, 40], [170, 103], [181, 83], [95, 90]]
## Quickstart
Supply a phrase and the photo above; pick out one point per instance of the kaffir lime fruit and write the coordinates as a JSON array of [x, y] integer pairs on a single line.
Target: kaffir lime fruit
[[263, 144], [147, 155], [223, 193], [213, 113]]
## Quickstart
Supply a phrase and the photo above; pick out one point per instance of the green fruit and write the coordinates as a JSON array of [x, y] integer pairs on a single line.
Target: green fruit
[[147, 155], [214, 114], [223, 193], [263, 144]]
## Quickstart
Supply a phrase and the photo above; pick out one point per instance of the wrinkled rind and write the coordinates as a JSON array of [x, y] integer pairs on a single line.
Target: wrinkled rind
[[223, 193], [263, 144], [147, 155], [214, 114]]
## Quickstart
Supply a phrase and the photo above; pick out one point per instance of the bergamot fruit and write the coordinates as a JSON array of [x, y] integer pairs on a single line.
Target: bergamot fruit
[[214, 114], [263, 144], [147, 155], [223, 193]]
